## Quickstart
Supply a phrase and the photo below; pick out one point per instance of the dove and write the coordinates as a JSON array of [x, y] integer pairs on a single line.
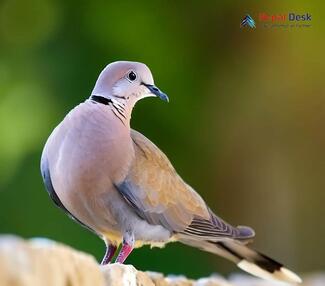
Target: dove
[[117, 183]]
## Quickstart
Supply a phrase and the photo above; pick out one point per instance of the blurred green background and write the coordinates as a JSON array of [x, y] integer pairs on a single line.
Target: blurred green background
[[244, 127]]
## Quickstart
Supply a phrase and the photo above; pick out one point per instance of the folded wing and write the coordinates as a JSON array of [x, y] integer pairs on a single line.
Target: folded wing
[[160, 196]]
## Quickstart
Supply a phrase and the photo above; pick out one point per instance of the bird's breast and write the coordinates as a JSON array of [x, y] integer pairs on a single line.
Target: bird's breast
[[92, 151]]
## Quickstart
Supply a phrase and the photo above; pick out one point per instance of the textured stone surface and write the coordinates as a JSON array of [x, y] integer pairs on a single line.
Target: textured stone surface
[[212, 281], [42, 262], [122, 275]]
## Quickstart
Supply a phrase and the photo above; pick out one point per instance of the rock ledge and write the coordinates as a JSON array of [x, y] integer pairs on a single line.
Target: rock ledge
[[38, 262]]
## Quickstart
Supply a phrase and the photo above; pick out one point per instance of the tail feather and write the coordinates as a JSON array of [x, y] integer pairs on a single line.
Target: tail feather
[[247, 259], [257, 263], [282, 274]]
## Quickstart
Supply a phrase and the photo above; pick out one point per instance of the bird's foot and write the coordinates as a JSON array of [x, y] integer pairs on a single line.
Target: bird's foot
[[110, 251], [127, 247], [124, 253]]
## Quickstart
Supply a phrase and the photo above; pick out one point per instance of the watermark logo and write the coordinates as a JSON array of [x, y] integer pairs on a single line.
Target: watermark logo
[[278, 20], [248, 21]]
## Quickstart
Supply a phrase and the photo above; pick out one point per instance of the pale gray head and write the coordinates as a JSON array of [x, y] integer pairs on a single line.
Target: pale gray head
[[127, 82]]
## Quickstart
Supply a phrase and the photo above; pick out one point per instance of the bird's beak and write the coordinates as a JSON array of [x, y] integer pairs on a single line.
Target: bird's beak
[[157, 92]]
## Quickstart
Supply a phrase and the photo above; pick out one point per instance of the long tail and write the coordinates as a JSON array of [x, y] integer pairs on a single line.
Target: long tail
[[247, 259]]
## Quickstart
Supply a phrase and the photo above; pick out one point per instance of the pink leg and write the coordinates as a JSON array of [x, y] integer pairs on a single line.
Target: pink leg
[[127, 247], [110, 251]]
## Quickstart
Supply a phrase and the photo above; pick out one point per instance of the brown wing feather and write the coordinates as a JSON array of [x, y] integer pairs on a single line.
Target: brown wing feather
[[160, 196], [158, 193]]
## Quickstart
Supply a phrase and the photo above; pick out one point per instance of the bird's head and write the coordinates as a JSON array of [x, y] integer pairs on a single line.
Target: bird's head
[[127, 82]]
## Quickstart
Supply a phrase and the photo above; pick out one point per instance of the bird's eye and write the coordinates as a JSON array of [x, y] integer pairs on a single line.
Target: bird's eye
[[132, 76]]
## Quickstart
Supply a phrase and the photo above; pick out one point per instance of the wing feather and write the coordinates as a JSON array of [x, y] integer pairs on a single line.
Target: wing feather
[[159, 195]]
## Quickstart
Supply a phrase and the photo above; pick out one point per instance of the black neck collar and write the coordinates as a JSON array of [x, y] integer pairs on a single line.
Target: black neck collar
[[101, 99]]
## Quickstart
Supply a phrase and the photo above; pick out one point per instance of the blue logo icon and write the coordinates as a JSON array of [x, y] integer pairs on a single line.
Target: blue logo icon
[[248, 21]]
